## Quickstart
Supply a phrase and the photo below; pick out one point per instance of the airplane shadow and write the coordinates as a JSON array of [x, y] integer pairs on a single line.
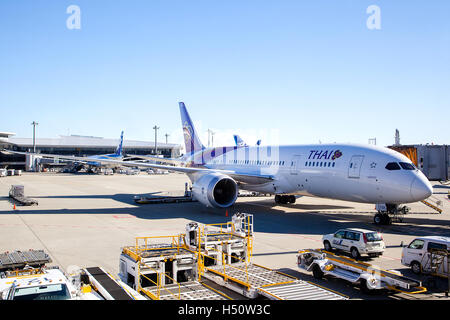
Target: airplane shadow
[[310, 219]]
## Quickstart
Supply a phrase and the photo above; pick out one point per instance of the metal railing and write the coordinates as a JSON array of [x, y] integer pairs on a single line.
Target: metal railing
[[175, 243], [158, 283]]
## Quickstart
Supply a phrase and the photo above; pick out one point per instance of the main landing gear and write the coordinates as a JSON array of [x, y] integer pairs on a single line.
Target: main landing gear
[[281, 199]]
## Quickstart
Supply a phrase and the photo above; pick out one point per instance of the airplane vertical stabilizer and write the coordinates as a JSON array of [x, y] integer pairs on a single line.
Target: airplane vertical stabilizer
[[191, 138], [119, 147]]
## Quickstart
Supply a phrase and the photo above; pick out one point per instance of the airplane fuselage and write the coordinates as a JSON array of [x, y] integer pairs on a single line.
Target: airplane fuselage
[[338, 171]]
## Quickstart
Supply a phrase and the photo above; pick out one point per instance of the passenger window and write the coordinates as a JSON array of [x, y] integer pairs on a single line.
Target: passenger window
[[339, 234], [407, 166], [436, 246], [352, 236], [333, 164], [349, 235], [416, 244], [392, 166]]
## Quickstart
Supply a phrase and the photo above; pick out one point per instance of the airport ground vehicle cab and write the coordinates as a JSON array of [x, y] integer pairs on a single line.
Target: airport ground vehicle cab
[[355, 241], [427, 254]]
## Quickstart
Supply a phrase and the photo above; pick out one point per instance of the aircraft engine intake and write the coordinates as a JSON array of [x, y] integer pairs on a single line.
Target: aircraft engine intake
[[215, 190]]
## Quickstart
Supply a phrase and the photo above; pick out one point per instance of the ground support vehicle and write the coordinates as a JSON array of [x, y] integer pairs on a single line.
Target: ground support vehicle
[[367, 276]]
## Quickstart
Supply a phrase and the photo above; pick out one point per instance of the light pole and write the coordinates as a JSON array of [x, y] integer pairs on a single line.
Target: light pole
[[156, 138], [167, 136], [34, 124]]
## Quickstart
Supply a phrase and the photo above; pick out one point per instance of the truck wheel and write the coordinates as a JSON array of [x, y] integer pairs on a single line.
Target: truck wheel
[[317, 273], [363, 286], [355, 253], [327, 246], [416, 267]]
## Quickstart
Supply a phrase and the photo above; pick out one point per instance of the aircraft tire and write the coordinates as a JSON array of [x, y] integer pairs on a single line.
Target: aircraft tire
[[378, 219]]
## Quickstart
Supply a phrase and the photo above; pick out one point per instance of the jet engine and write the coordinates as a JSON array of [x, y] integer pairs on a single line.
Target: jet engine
[[215, 190]]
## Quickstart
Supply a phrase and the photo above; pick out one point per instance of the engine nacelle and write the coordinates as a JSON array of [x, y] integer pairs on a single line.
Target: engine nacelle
[[215, 190]]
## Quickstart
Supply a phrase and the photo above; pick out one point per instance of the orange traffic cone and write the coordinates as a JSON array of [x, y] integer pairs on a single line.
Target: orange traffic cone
[[14, 206]]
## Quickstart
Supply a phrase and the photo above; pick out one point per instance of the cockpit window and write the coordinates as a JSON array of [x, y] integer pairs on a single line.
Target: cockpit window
[[392, 166], [407, 166]]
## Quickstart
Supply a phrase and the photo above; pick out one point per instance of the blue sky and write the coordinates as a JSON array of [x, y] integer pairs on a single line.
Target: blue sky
[[287, 71]]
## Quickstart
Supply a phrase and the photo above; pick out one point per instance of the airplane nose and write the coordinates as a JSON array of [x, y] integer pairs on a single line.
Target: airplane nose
[[421, 189]]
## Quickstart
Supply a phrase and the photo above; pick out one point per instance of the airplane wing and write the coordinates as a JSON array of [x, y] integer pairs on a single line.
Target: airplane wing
[[153, 158], [239, 177]]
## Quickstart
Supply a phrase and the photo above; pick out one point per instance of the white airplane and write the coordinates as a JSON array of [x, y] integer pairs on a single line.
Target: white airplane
[[350, 172], [92, 162]]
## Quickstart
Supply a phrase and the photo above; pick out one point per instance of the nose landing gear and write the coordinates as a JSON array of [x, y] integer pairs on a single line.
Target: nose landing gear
[[388, 213]]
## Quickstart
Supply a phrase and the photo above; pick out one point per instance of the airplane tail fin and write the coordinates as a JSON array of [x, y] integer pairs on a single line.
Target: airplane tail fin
[[191, 138], [238, 140], [119, 147]]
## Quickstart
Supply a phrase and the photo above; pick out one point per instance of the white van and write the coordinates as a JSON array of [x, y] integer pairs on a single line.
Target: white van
[[355, 241], [417, 254]]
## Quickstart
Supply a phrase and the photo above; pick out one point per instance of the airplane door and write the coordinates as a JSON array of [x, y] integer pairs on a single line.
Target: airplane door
[[295, 165], [354, 167]]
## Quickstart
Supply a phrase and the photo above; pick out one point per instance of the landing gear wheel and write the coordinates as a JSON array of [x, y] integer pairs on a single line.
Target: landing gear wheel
[[317, 273], [378, 219], [387, 220], [283, 199], [355, 253], [277, 198], [382, 219], [291, 199]]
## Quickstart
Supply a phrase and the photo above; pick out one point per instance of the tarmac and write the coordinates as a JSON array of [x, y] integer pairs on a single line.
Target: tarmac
[[85, 219]]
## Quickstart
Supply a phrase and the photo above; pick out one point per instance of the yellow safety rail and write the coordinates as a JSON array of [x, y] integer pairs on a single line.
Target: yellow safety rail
[[145, 247], [225, 229], [429, 204], [420, 290], [158, 283], [24, 273]]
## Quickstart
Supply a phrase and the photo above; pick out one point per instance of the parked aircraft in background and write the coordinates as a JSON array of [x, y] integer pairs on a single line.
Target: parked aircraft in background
[[92, 163]]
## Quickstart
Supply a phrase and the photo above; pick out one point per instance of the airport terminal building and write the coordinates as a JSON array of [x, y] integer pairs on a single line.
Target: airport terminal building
[[75, 145]]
